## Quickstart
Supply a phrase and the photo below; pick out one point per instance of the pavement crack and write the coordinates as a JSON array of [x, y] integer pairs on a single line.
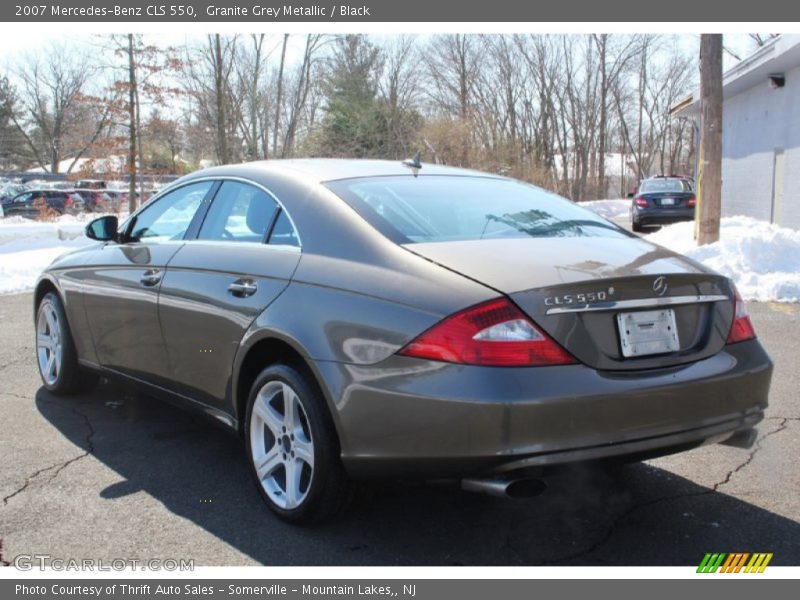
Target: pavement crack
[[784, 423], [612, 528], [15, 395], [3, 561], [56, 468], [13, 363]]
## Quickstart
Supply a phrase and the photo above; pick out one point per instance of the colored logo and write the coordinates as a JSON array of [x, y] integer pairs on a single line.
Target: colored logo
[[735, 562]]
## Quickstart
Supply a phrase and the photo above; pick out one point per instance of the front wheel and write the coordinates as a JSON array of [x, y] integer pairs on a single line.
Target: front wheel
[[55, 351], [293, 449]]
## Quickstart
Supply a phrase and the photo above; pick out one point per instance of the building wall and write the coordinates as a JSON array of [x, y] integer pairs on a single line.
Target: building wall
[[755, 124]]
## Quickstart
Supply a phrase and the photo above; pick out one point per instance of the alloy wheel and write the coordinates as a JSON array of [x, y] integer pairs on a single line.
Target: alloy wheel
[[49, 347], [281, 444]]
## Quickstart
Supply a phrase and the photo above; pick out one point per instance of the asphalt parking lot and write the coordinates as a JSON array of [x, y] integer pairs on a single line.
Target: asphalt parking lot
[[108, 476]]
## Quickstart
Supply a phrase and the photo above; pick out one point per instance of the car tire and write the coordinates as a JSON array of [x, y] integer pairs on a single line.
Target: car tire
[[293, 449], [55, 351], [636, 227]]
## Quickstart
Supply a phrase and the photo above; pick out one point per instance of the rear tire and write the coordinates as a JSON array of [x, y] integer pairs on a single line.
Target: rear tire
[[293, 449], [636, 227], [55, 350]]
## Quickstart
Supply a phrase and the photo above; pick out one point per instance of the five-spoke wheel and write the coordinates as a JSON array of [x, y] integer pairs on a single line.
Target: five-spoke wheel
[[282, 446], [293, 447], [55, 352], [49, 348]]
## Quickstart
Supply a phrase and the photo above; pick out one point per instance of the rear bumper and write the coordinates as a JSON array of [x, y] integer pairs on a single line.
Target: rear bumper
[[412, 418], [650, 216]]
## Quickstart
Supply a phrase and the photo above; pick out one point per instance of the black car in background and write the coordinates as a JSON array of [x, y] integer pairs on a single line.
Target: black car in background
[[662, 200], [100, 201], [31, 202]]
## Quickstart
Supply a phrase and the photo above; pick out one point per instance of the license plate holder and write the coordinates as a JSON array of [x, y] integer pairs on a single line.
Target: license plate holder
[[668, 202], [645, 333]]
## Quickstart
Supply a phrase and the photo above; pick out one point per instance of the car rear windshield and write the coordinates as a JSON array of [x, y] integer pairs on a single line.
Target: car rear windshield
[[650, 186], [439, 208]]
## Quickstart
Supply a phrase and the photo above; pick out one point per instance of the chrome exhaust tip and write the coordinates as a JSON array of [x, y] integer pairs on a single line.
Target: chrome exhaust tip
[[506, 488]]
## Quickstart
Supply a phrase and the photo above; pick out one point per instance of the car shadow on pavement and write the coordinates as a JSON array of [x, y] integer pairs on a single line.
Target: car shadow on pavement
[[637, 515]]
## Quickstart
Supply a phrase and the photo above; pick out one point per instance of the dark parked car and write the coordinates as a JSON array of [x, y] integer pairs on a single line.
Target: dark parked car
[[662, 200], [96, 200], [9, 190], [363, 319], [30, 203]]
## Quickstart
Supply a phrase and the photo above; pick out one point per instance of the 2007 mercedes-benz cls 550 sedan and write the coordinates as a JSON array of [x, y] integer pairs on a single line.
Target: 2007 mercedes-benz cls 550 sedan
[[363, 319]]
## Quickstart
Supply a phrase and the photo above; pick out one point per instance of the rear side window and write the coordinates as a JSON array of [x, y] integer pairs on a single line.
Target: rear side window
[[284, 233], [664, 185], [437, 208], [239, 213]]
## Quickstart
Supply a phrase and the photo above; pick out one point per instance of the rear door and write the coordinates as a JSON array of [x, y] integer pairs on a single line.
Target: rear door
[[121, 286], [21, 205], [244, 255]]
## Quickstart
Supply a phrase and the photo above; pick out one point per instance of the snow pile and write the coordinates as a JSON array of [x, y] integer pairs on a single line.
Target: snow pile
[[25, 229], [22, 260], [27, 247], [762, 259], [608, 209]]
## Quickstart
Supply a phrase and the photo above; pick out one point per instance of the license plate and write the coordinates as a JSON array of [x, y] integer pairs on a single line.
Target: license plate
[[668, 202], [648, 332]]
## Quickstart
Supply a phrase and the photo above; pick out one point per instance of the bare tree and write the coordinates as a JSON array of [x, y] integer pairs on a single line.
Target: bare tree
[[301, 89], [612, 62], [279, 94], [208, 78], [453, 65], [58, 114]]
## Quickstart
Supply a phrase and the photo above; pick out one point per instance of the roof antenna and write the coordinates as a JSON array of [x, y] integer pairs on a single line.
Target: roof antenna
[[414, 163]]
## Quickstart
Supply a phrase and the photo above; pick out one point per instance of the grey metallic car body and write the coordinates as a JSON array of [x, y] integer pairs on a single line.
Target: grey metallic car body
[[349, 299]]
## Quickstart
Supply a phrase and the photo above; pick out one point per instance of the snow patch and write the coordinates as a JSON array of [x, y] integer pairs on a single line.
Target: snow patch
[[762, 259], [23, 260]]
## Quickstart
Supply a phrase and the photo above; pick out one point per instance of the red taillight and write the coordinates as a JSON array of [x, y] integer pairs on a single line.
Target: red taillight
[[691, 202], [741, 328], [68, 201], [495, 333], [642, 202]]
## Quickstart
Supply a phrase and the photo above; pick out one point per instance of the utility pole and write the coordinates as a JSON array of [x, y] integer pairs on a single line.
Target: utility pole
[[132, 117], [710, 181]]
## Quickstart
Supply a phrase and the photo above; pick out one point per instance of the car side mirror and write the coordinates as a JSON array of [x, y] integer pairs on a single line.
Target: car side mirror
[[103, 229]]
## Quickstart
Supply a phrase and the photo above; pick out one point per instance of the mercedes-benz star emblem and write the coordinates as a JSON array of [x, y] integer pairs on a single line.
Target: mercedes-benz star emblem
[[660, 286]]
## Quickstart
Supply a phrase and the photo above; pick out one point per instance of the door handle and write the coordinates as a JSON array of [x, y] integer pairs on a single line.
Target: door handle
[[243, 288], [151, 277]]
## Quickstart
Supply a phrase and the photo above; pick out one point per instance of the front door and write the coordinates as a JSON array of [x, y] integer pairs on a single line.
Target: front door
[[121, 288]]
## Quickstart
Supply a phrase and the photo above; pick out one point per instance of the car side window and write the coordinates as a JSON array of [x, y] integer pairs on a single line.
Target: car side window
[[238, 213], [283, 233], [170, 216]]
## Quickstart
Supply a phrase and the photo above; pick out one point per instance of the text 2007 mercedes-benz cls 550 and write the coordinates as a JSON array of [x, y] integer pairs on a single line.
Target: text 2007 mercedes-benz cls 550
[[362, 319]]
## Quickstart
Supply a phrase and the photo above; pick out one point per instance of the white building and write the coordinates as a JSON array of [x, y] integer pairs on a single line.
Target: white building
[[760, 133]]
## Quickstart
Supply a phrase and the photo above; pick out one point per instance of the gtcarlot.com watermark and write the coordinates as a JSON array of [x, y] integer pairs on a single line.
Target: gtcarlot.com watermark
[[30, 562]]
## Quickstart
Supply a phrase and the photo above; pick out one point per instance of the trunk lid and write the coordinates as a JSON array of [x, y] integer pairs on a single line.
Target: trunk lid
[[575, 287]]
